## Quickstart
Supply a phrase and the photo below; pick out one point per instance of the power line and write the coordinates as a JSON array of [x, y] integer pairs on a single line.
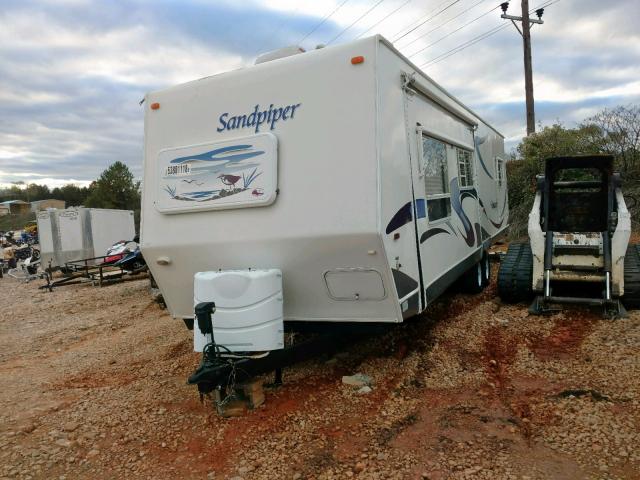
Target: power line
[[356, 21], [427, 20], [453, 31], [475, 40], [411, 24], [487, 34], [322, 21], [443, 24], [383, 19], [464, 45]]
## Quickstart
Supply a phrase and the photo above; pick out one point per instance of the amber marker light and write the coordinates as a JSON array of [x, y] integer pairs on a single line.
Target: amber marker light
[[357, 60], [155, 106]]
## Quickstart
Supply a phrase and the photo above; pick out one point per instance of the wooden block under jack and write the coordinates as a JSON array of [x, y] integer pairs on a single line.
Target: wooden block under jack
[[252, 392], [233, 407], [247, 395]]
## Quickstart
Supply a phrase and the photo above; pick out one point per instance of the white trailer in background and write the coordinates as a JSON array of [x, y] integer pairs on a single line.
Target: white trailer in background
[[80, 233], [346, 170]]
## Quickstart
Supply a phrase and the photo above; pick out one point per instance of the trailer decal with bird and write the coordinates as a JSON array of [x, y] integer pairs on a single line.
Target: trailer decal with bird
[[226, 167], [219, 173]]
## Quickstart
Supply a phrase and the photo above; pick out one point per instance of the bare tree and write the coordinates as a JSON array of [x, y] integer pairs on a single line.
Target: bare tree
[[617, 131]]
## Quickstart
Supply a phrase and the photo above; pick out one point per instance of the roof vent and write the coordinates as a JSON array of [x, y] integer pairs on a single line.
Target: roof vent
[[279, 53]]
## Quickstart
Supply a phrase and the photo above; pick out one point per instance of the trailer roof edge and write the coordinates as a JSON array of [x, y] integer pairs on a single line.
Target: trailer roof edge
[[382, 39], [378, 38]]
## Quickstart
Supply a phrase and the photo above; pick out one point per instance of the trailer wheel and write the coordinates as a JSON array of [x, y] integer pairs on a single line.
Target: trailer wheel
[[486, 268], [516, 274], [473, 279], [631, 297]]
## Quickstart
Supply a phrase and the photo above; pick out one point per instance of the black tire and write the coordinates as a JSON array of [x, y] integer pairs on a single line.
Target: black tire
[[137, 265], [631, 297], [486, 268], [516, 274], [472, 280]]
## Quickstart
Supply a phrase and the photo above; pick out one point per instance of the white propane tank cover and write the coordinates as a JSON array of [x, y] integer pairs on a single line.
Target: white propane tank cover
[[249, 312]]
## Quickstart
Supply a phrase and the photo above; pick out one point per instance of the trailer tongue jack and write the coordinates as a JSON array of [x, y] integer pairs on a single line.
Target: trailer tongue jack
[[229, 377], [220, 372]]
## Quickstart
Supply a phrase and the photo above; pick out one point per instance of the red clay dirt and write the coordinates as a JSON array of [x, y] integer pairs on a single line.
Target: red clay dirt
[[93, 386]]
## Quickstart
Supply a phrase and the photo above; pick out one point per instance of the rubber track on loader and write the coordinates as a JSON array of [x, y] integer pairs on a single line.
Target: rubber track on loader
[[516, 273], [631, 297]]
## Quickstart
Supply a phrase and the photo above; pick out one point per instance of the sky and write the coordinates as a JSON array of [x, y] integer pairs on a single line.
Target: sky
[[72, 72]]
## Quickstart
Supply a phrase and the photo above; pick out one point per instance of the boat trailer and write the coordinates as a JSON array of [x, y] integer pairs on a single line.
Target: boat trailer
[[93, 270]]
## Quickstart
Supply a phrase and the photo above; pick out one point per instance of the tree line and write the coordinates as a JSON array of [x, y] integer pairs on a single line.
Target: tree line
[[114, 188]]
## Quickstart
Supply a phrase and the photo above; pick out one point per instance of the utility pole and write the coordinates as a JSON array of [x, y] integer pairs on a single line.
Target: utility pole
[[526, 42]]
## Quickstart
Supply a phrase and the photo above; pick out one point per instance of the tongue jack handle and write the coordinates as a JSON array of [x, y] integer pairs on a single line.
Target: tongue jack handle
[[204, 311]]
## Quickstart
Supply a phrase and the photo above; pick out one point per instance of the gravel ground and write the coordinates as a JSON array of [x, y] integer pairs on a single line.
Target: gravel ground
[[92, 385]]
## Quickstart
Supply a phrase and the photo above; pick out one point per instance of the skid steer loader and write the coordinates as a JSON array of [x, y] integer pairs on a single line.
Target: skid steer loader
[[578, 250]]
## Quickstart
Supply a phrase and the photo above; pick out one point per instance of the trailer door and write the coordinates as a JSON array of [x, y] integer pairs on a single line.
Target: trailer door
[[446, 201]]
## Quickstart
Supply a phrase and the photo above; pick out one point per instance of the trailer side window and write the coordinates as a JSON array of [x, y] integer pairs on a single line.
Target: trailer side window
[[465, 167], [436, 178], [434, 157], [499, 170], [438, 208]]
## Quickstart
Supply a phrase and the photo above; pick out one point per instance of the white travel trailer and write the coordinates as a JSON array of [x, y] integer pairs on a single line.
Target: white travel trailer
[[353, 179], [81, 233]]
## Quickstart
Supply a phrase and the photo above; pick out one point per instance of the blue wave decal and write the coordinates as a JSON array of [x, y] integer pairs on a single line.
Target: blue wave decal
[[456, 204], [401, 217], [479, 142], [202, 194], [504, 207], [431, 232], [405, 215], [448, 224], [421, 208], [478, 234], [504, 204], [469, 193], [495, 224], [212, 156]]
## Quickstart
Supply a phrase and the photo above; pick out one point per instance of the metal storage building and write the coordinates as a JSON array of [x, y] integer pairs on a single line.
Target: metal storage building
[[40, 205]]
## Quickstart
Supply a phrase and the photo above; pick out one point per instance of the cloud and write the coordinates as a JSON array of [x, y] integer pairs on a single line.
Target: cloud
[[72, 72]]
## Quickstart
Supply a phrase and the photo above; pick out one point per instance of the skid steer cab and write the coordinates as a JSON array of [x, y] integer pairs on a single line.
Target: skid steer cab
[[578, 250]]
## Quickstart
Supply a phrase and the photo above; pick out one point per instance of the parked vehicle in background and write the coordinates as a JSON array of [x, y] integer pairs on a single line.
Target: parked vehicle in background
[[80, 233], [578, 250]]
